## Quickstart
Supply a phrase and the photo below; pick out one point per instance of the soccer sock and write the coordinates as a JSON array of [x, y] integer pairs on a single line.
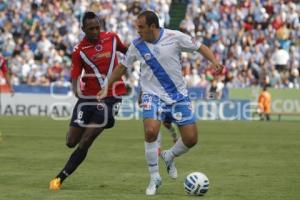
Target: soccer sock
[[152, 158], [158, 140], [177, 149], [74, 161]]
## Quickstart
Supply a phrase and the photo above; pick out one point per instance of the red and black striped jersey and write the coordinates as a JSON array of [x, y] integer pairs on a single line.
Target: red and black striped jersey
[[98, 60]]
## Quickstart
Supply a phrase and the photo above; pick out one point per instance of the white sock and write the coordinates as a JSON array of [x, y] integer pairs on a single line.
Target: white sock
[[152, 158], [158, 140], [177, 149]]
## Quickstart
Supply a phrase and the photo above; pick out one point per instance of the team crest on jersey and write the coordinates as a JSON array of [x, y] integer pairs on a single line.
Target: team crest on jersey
[[98, 47], [147, 56], [147, 105]]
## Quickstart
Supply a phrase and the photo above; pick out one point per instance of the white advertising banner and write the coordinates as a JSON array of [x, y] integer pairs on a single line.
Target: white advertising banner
[[59, 106]]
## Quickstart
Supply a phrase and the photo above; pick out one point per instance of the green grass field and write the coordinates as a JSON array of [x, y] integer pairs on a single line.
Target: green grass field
[[243, 160]]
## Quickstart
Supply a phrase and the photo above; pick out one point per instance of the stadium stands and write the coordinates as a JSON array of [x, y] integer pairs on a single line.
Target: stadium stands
[[257, 40]]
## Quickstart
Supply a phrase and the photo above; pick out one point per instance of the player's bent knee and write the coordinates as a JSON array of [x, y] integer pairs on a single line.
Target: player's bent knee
[[71, 144], [190, 142], [150, 134], [70, 141]]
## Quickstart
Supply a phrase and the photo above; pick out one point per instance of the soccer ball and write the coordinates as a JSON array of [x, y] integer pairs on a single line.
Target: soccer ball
[[196, 183]]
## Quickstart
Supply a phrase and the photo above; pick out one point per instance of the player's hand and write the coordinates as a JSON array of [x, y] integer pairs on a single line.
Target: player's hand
[[102, 93], [218, 68]]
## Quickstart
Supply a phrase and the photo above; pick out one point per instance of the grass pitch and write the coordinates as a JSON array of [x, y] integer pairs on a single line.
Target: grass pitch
[[243, 160]]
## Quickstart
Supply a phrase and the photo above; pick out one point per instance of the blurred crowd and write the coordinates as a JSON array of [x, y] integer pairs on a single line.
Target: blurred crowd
[[37, 36], [257, 40]]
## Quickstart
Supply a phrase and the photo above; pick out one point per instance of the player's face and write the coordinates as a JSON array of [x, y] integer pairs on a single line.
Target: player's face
[[91, 29], [145, 31]]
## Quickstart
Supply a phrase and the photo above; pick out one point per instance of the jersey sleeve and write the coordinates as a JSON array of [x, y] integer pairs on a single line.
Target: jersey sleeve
[[187, 43], [76, 68], [131, 57], [120, 46]]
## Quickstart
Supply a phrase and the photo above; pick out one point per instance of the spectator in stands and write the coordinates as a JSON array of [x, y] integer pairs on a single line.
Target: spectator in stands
[[249, 28], [280, 58], [260, 33], [4, 70]]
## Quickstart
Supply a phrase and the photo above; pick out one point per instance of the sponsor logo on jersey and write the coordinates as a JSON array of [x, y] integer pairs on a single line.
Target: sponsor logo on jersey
[[104, 39], [101, 55]]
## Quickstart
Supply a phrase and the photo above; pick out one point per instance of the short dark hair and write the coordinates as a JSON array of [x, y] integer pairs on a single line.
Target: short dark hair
[[151, 18], [88, 15]]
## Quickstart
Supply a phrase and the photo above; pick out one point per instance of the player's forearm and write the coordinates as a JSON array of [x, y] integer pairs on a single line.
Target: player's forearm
[[208, 54], [116, 75]]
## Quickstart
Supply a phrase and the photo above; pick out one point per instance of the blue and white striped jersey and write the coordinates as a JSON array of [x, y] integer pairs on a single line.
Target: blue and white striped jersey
[[161, 69]]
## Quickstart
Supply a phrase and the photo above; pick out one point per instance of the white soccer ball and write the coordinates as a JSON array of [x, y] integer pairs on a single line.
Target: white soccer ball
[[196, 183]]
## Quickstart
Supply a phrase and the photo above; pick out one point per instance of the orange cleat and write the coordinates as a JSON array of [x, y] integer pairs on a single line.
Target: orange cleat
[[55, 184]]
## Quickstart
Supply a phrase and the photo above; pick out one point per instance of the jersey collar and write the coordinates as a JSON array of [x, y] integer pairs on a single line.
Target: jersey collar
[[161, 31]]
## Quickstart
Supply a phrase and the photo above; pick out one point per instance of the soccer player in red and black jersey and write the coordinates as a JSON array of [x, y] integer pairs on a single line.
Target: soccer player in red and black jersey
[[96, 55], [4, 69]]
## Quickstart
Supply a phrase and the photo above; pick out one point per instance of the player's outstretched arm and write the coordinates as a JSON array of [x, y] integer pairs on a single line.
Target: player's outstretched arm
[[115, 76], [208, 54]]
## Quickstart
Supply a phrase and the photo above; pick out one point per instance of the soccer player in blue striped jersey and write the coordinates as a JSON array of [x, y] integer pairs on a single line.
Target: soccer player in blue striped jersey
[[165, 93]]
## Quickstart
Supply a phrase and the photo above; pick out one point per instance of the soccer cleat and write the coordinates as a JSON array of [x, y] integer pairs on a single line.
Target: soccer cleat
[[55, 184], [153, 185], [170, 164]]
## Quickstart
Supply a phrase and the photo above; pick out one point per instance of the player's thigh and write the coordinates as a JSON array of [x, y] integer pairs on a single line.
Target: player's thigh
[[189, 134], [151, 129], [73, 136], [82, 112]]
